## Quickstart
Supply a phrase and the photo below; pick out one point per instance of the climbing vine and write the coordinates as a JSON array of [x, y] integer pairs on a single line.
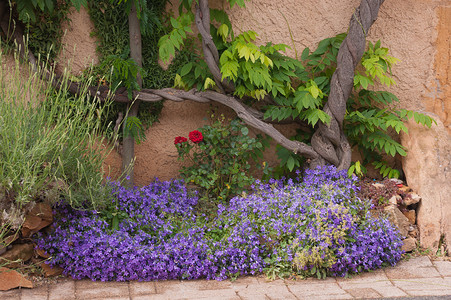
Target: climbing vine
[[111, 30], [321, 92], [42, 21], [287, 89]]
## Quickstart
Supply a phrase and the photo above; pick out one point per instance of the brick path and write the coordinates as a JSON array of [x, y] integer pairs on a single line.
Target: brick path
[[417, 277]]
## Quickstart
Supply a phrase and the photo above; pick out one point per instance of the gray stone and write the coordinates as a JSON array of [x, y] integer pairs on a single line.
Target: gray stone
[[379, 185], [396, 181], [412, 198], [394, 199], [409, 244], [398, 219]]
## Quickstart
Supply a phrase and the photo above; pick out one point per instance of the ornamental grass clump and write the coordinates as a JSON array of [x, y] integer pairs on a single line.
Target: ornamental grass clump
[[312, 226]]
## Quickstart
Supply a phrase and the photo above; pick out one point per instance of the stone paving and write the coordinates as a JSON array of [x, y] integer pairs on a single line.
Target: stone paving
[[416, 277]]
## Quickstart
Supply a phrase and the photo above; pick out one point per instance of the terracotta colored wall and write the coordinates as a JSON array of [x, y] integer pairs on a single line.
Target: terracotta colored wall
[[416, 31]]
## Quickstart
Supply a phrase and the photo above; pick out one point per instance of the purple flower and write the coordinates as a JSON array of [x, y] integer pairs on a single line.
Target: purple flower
[[160, 237]]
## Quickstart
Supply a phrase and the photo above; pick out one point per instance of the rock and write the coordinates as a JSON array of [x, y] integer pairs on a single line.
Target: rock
[[10, 279], [405, 189], [414, 232], [411, 198], [42, 253], [31, 223], [50, 270], [398, 219], [43, 211], [394, 200], [39, 217], [22, 252], [396, 180], [409, 244], [411, 215], [427, 168], [6, 242], [378, 185]]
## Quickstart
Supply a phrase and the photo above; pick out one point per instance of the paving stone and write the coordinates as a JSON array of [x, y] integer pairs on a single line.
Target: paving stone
[[376, 280], [142, 288], [162, 286], [363, 293], [411, 272], [443, 267], [243, 282], [86, 289], [417, 277], [366, 277], [149, 297], [191, 290], [172, 297], [325, 297], [62, 291], [418, 267], [10, 295], [425, 286], [383, 288], [311, 281], [309, 289], [245, 296], [415, 262], [214, 284], [36, 293], [264, 289]]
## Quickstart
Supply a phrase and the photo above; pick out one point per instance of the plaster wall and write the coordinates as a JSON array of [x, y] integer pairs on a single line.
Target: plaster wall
[[416, 31]]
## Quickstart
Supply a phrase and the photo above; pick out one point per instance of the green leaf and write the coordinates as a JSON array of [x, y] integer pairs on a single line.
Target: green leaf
[[186, 69], [174, 23], [290, 163], [209, 83], [78, 3], [305, 53], [314, 90], [351, 170], [223, 31], [115, 224], [221, 17], [49, 4]]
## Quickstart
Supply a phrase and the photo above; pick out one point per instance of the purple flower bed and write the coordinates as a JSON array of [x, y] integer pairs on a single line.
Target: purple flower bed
[[311, 226]]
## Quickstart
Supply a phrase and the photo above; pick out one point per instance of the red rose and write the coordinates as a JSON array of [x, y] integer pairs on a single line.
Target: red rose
[[179, 140], [196, 136]]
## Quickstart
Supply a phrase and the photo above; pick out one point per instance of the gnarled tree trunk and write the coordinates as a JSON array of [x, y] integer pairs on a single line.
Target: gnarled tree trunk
[[128, 143], [329, 141]]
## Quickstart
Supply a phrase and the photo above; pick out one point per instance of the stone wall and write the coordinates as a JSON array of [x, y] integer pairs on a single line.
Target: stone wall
[[416, 31]]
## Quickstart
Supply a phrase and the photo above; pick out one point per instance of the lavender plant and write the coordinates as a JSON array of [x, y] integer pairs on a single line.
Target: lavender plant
[[314, 225]]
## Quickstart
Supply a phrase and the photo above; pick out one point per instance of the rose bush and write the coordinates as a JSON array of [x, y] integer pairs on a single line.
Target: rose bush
[[218, 159], [179, 140], [195, 136]]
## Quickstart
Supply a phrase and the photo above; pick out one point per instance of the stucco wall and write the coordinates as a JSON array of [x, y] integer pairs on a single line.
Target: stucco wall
[[416, 31]]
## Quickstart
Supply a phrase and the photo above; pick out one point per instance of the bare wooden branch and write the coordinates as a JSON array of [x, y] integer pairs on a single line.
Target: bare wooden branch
[[245, 113]]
